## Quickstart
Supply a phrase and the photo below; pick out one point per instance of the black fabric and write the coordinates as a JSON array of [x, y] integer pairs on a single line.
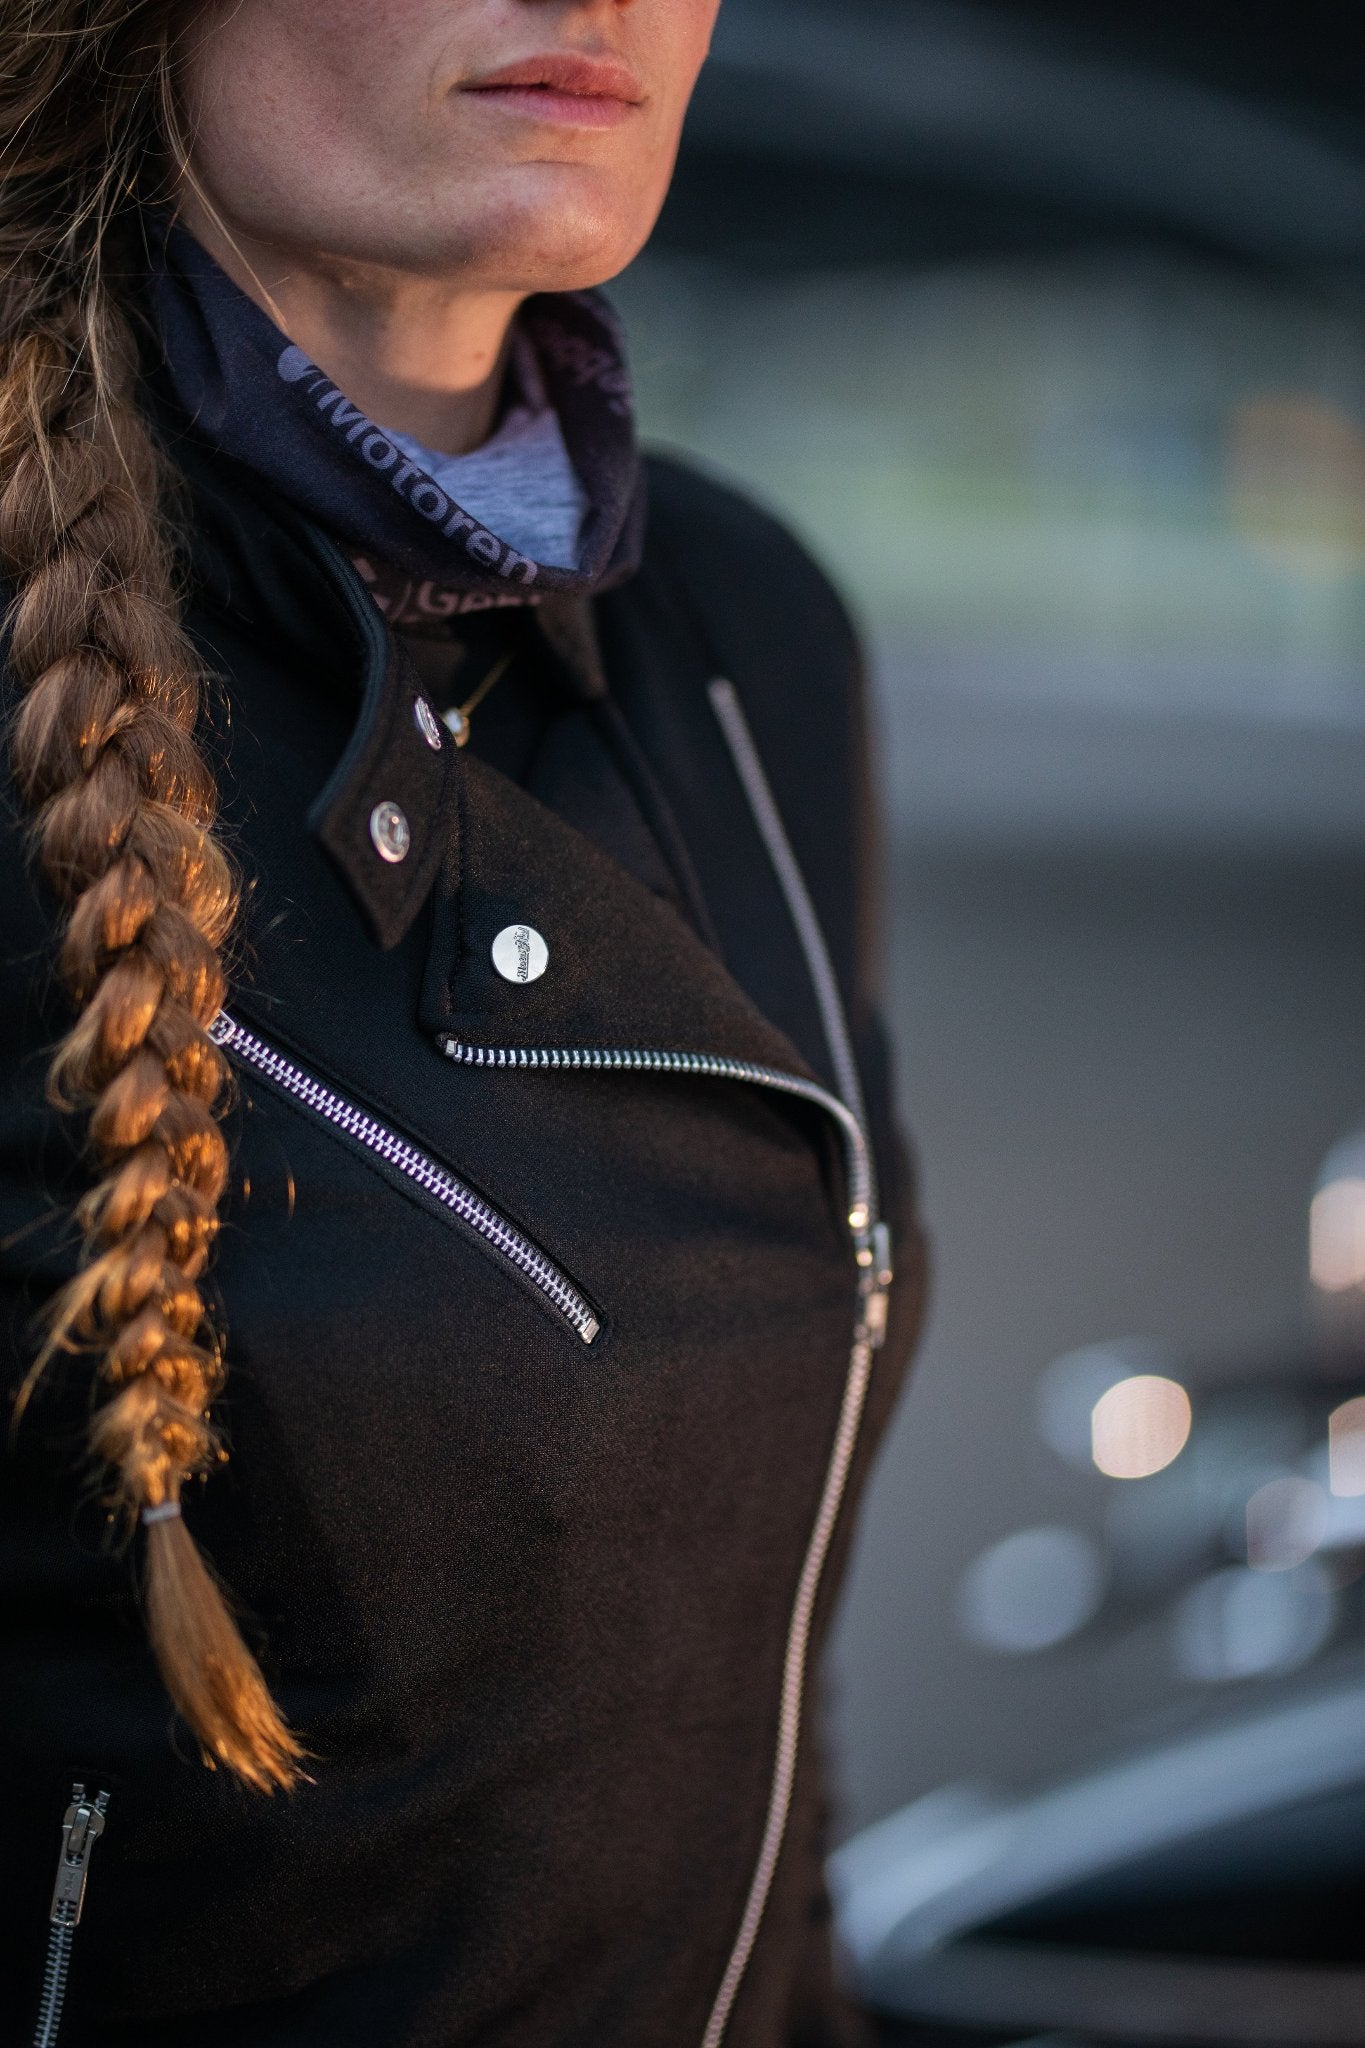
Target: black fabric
[[252, 393], [548, 724], [586, 772], [527, 1598]]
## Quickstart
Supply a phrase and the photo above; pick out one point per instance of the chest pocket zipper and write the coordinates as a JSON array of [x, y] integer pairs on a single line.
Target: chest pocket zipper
[[400, 1156], [82, 1826]]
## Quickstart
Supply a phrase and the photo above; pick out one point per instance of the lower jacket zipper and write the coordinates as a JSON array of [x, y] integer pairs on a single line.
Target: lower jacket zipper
[[414, 1165], [82, 1826], [872, 1251], [873, 1244]]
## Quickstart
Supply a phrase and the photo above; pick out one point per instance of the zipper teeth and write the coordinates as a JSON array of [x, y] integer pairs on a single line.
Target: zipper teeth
[[793, 1689], [414, 1164], [55, 1971], [64, 1919], [712, 1066], [749, 767], [768, 818]]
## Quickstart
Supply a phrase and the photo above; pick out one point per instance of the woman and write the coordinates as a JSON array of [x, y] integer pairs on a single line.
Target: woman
[[456, 1050]]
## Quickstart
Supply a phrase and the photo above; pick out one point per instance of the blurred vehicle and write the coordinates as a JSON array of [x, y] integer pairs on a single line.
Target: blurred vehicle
[[1206, 1884], [1234, 1520], [1207, 1889], [1231, 1523]]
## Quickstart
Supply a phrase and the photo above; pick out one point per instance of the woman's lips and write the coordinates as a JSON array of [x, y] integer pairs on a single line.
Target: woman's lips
[[575, 91]]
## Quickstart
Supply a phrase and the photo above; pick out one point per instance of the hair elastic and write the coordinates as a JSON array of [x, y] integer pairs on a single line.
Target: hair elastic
[[168, 1511]]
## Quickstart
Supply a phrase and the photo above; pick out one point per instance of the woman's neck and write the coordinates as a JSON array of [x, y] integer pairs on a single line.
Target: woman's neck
[[413, 352]]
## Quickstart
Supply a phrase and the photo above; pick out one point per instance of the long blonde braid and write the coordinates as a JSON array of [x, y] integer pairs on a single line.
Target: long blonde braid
[[123, 805]]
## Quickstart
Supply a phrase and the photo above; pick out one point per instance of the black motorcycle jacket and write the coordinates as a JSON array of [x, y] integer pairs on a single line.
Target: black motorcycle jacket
[[568, 1273]]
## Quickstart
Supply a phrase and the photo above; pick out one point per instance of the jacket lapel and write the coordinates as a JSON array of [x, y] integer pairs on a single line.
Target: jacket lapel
[[621, 968], [625, 968]]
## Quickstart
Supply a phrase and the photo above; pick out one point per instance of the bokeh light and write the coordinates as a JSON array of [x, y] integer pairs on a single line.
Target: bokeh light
[[1286, 1521], [1032, 1591], [1140, 1426], [1069, 1388], [1346, 1449], [1240, 1623], [1336, 1235]]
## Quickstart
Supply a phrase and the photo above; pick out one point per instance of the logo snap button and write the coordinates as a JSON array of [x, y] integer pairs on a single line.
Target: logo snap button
[[390, 831], [520, 953]]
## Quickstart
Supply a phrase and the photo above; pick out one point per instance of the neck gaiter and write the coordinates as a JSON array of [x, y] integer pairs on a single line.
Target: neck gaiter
[[251, 393]]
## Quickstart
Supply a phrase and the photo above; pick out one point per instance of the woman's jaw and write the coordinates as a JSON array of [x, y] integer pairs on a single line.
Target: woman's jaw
[[489, 146]]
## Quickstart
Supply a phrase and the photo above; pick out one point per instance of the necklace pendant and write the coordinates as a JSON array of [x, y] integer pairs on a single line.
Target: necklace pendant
[[457, 725]]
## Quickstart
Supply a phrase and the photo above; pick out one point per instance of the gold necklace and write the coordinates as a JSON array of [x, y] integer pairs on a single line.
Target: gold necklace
[[456, 720]]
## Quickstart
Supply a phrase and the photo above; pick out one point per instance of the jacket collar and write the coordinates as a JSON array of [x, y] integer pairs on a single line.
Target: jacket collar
[[627, 968], [388, 815]]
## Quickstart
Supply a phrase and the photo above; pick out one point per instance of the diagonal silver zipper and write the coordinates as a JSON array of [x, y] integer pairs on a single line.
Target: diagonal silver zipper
[[415, 1165]]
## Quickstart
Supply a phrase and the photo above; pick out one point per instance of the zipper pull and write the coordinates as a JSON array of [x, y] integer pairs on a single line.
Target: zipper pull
[[82, 1826], [877, 1280]]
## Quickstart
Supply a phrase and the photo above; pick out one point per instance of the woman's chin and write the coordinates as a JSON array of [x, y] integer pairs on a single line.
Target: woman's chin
[[549, 228]]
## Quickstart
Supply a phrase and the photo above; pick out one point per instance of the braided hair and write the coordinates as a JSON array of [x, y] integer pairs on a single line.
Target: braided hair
[[122, 803]]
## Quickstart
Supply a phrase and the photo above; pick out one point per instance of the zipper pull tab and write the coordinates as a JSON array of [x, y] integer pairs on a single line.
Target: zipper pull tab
[[880, 1275], [82, 1826]]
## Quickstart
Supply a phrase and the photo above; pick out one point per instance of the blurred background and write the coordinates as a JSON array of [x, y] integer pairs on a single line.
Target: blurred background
[[1044, 325]]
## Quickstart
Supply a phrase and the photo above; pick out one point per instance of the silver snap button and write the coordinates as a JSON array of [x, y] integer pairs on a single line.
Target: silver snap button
[[426, 724], [520, 953], [390, 831]]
